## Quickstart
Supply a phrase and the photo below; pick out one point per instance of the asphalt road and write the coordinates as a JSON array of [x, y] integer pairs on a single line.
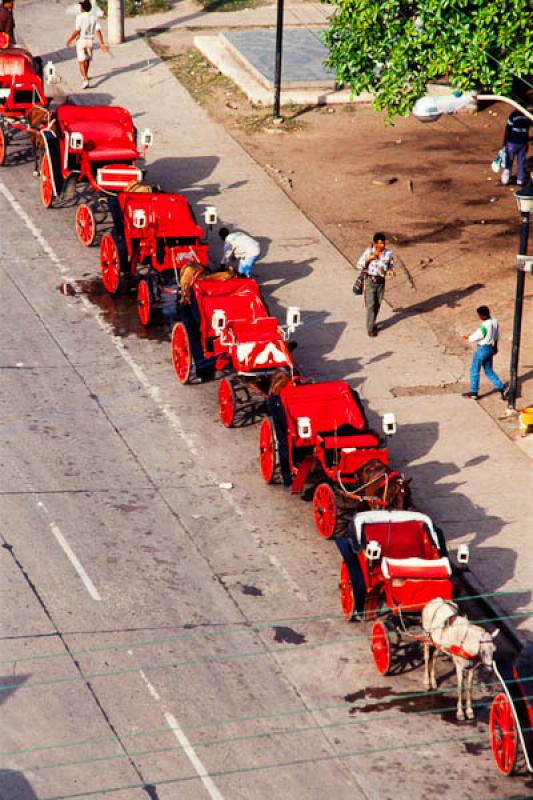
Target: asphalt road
[[162, 636]]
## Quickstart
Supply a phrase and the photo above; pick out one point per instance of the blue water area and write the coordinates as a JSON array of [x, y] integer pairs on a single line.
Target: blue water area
[[303, 54]]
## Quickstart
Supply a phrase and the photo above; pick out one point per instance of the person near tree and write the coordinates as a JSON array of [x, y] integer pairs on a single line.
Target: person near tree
[[377, 264], [515, 141], [87, 30]]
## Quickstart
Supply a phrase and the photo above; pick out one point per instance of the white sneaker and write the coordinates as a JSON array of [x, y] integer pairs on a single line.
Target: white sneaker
[[85, 84]]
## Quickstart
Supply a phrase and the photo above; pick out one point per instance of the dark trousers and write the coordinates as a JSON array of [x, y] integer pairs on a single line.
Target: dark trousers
[[518, 151], [374, 292]]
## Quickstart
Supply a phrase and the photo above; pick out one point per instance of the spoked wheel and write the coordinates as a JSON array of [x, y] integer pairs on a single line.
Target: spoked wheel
[[346, 593], [381, 647], [503, 734], [226, 403], [45, 176], [268, 451], [144, 302], [326, 511], [3, 147], [181, 353], [85, 224], [111, 262]]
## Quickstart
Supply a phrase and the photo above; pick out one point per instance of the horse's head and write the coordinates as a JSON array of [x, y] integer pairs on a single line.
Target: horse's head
[[399, 492], [487, 648]]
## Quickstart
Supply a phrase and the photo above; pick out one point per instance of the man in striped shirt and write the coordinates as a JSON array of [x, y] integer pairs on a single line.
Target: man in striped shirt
[[486, 341]]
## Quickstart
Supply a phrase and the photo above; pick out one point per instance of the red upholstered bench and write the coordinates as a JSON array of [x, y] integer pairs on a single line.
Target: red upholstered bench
[[415, 568]]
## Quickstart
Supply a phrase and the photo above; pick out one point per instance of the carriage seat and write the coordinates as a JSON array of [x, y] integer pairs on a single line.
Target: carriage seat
[[107, 131], [416, 568], [350, 442]]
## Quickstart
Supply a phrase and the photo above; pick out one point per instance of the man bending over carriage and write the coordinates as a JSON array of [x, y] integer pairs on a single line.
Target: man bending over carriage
[[240, 247]]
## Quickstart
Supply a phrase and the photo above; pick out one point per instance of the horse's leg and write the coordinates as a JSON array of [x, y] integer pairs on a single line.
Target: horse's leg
[[427, 683], [459, 671], [433, 673], [468, 693]]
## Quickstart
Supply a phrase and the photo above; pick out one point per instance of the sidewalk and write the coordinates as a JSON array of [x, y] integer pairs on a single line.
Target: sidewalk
[[466, 473]]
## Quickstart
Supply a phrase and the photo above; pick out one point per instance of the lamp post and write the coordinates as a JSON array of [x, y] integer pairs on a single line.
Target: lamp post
[[524, 199], [277, 67], [115, 21]]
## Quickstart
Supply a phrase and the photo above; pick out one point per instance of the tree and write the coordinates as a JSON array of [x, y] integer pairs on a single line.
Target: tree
[[392, 48]]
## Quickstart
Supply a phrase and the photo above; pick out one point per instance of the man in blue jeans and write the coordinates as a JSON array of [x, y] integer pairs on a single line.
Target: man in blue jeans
[[515, 141], [486, 341], [239, 247]]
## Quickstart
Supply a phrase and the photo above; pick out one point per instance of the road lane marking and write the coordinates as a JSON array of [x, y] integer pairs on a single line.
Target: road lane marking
[[151, 390], [190, 752], [76, 563], [149, 686]]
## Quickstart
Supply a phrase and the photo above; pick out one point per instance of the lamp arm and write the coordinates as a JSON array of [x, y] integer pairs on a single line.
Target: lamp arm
[[505, 100]]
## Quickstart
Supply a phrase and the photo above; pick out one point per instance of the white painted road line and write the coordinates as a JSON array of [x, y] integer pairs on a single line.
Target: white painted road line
[[189, 751], [72, 557]]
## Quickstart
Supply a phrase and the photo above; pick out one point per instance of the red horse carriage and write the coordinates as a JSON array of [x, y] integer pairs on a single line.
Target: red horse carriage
[[226, 326], [153, 235], [21, 89], [318, 433], [95, 146], [511, 713]]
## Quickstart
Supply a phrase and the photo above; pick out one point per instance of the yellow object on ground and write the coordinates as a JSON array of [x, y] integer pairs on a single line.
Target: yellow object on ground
[[526, 419]]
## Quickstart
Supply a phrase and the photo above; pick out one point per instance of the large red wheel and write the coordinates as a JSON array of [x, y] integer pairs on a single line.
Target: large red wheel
[[3, 147], [326, 511], [346, 593], [380, 645], [85, 224], [503, 734], [144, 302], [45, 176], [110, 263], [226, 403], [181, 353], [268, 451]]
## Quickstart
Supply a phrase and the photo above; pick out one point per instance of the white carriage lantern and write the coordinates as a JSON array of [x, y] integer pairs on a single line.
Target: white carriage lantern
[[463, 554], [210, 215], [50, 71], [304, 427], [139, 218], [147, 138], [76, 141], [389, 424], [218, 320], [373, 550], [294, 319]]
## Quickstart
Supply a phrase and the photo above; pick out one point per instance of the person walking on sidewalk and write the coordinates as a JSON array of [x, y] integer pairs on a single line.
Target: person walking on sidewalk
[[486, 340], [515, 141], [87, 29], [239, 246], [7, 24], [377, 264]]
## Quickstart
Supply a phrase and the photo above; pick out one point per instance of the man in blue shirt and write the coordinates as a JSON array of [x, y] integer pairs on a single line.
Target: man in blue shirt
[[515, 141]]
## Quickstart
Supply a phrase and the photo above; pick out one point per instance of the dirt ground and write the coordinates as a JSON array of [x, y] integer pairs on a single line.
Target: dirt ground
[[429, 187]]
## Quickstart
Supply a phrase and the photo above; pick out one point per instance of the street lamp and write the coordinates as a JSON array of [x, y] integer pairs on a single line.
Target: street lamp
[[524, 199], [277, 67], [431, 107]]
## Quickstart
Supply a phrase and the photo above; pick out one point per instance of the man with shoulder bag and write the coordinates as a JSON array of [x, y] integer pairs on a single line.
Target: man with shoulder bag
[[376, 264]]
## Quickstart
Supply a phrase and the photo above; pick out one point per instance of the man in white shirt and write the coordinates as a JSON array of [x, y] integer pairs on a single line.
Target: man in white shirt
[[376, 263], [240, 247], [87, 29], [486, 340]]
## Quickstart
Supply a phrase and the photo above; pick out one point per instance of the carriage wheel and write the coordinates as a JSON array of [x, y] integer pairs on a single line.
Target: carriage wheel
[[326, 511], [226, 403], [346, 593], [181, 353], [268, 451], [3, 147], [85, 225], [144, 302], [110, 263], [503, 734], [45, 175], [380, 645]]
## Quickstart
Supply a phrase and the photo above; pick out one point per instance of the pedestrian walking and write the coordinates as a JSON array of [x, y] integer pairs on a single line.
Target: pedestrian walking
[[376, 264], [240, 247], [7, 24], [515, 141], [486, 341], [87, 30]]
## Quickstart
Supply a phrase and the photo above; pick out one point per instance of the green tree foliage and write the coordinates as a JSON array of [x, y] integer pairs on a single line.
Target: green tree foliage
[[392, 48]]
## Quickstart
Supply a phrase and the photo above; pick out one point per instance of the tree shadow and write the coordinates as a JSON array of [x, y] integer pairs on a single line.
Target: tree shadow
[[185, 176], [10, 683], [449, 299], [15, 785]]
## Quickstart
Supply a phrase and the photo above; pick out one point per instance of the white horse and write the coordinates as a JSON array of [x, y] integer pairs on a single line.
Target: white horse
[[468, 645]]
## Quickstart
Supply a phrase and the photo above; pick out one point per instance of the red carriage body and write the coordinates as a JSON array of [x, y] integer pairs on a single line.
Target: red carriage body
[[154, 234], [394, 563], [95, 145], [321, 429], [511, 713], [227, 327], [21, 88]]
